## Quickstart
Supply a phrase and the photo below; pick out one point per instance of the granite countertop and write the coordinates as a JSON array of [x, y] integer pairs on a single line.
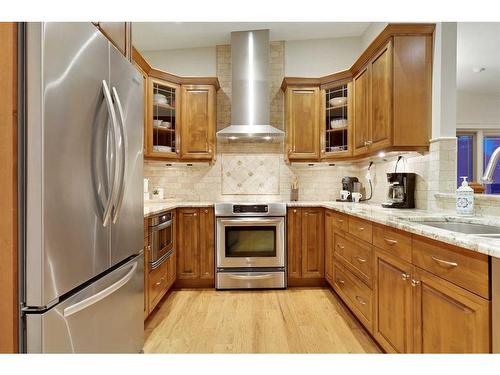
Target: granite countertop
[[407, 220]]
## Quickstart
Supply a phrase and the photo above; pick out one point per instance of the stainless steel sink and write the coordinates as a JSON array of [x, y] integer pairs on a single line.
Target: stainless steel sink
[[465, 228]]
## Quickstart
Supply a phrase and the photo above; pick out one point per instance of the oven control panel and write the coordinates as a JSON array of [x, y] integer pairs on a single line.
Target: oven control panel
[[227, 209], [250, 208]]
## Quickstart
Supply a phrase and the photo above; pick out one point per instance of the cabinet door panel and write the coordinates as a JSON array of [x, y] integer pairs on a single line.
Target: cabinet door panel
[[393, 325], [449, 319], [198, 122], [361, 111], [381, 98], [302, 119], [329, 245], [188, 243], [294, 239], [207, 243], [313, 256]]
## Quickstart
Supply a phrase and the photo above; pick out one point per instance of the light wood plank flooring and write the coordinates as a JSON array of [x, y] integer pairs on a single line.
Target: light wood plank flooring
[[295, 320]]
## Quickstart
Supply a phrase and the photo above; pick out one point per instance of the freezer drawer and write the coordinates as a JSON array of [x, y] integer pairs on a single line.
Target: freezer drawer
[[105, 317]]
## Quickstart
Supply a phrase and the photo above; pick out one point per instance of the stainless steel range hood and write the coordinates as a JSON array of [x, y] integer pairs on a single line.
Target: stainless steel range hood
[[250, 88]]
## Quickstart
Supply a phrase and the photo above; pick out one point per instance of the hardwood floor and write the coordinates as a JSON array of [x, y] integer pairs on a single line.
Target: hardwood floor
[[295, 320]]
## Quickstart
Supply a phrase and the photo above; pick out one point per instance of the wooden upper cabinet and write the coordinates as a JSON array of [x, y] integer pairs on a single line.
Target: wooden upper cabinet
[[393, 301], [449, 319], [361, 123], [207, 243], [313, 255], [302, 123], [119, 33], [412, 90], [188, 243], [294, 243], [197, 140], [163, 121], [381, 98]]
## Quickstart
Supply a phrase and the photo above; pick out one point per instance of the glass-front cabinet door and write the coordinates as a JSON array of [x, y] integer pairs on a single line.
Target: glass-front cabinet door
[[163, 124], [336, 133]]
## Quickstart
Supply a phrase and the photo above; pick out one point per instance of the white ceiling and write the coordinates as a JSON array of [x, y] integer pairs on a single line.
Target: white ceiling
[[151, 36], [478, 45]]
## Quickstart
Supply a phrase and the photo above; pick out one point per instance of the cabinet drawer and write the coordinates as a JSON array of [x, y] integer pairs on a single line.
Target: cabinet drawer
[[354, 293], [340, 221], [361, 229], [459, 266], [357, 255], [158, 282], [393, 241]]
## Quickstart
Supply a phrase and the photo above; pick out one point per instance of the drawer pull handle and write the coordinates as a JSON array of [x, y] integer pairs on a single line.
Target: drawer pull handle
[[414, 282], [444, 262], [360, 300], [158, 283], [361, 260], [340, 220], [361, 228], [405, 276], [340, 247], [390, 242], [340, 281]]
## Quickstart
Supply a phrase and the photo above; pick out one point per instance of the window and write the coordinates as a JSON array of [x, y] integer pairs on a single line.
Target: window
[[465, 157], [490, 143]]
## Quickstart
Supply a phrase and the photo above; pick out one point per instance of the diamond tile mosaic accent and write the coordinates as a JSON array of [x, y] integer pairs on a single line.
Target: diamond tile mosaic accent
[[250, 174]]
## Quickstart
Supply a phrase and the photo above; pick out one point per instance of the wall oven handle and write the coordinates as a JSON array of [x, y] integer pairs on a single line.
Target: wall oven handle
[[123, 154], [162, 226], [111, 111], [250, 277], [73, 309]]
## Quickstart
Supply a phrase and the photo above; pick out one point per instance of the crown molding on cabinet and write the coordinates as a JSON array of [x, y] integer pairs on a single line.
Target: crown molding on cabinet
[[390, 30], [157, 73]]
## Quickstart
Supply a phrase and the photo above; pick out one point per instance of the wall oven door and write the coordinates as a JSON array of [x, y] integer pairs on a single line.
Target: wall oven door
[[162, 238], [250, 242]]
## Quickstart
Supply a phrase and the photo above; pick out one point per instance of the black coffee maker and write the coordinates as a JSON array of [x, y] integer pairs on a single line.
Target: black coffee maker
[[401, 192], [351, 184]]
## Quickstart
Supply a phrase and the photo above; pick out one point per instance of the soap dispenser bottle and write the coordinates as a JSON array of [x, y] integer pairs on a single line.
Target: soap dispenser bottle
[[465, 199]]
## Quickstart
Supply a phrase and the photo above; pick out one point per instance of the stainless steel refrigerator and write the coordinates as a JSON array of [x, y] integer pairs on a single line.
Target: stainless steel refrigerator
[[82, 260]]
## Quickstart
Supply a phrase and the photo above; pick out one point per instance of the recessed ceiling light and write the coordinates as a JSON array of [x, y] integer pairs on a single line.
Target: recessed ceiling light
[[267, 138], [381, 154], [477, 69], [233, 137]]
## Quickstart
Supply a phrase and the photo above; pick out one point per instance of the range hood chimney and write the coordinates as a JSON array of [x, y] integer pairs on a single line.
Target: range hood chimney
[[250, 88]]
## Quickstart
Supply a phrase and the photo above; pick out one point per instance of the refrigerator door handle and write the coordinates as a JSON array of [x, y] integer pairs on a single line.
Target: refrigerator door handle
[[123, 155], [112, 114], [73, 309]]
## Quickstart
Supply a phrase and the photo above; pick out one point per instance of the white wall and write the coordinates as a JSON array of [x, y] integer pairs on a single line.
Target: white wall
[[477, 111], [184, 62], [371, 33], [320, 57]]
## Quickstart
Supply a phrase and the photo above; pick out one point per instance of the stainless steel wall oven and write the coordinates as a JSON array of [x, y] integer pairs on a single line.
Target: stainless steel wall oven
[[250, 245], [162, 238]]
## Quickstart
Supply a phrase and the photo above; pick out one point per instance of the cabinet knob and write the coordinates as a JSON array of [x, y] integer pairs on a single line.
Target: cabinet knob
[[340, 281], [206, 211], [368, 143], [414, 282], [195, 214], [405, 276], [361, 228], [294, 211], [360, 300]]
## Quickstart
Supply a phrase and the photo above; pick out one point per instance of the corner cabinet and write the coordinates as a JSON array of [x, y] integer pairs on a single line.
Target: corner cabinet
[[302, 123], [163, 119], [197, 135], [336, 130]]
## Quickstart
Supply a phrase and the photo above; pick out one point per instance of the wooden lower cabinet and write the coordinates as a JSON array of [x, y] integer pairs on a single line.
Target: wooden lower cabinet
[[306, 253], [448, 319], [160, 280], [393, 300], [330, 222], [195, 247]]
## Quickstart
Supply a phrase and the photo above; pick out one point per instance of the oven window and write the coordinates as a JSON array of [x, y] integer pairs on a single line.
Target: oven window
[[250, 241]]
